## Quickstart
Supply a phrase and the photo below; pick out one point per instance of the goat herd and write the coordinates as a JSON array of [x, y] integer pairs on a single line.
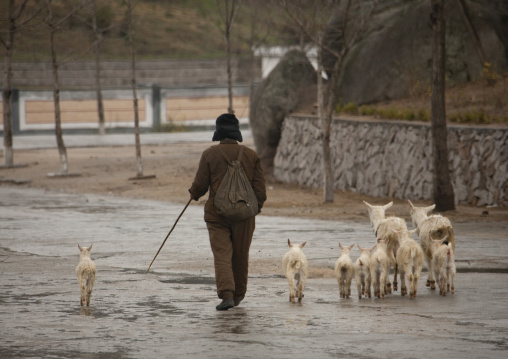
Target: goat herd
[[394, 247]]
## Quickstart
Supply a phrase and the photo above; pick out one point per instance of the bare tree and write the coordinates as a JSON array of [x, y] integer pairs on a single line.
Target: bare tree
[[139, 167], [443, 189], [14, 22], [99, 26], [139, 161], [312, 17], [98, 37], [227, 10], [54, 25]]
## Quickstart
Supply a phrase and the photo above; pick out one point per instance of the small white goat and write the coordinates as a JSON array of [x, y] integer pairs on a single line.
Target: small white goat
[[295, 267], [384, 227], [344, 271], [410, 263], [443, 265], [379, 268], [435, 226], [85, 271], [362, 272]]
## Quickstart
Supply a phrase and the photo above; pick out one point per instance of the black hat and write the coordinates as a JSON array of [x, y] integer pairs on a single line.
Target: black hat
[[227, 126]]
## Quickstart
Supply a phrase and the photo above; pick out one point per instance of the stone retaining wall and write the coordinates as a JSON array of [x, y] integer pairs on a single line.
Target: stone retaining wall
[[394, 159]]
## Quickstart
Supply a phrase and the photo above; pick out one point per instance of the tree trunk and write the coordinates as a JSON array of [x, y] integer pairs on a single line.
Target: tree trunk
[[7, 90], [325, 129], [139, 172], [229, 14], [100, 103], [230, 85], [56, 99], [442, 186]]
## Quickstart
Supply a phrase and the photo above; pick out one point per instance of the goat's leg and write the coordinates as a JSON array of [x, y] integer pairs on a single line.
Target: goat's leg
[[403, 288], [440, 279], [88, 293], [367, 286], [387, 284], [410, 278], [383, 282], [89, 289], [360, 286], [375, 284], [445, 282], [83, 292], [341, 287], [416, 277], [431, 280], [429, 268], [453, 282], [300, 290], [348, 287], [395, 284], [291, 290]]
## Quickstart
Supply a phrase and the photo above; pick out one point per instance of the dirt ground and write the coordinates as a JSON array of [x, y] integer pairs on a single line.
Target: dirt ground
[[110, 171]]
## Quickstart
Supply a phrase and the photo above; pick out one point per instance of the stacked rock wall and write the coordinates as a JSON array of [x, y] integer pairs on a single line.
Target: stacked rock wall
[[394, 159]]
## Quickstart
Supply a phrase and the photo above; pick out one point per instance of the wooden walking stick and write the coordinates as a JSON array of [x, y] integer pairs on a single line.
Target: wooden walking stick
[[174, 225]]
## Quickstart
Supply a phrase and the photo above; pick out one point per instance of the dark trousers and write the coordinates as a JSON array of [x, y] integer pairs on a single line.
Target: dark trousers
[[230, 244]]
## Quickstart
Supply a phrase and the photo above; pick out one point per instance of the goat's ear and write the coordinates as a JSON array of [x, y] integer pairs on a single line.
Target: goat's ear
[[360, 248], [289, 243], [386, 206], [430, 208], [303, 244], [375, 245], [351, 246], [443, 239], [79, 247], [90, 248], [340, 245], [368, 205], [412, 207]]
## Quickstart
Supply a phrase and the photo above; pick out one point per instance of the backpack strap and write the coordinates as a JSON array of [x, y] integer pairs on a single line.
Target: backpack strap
[[223, 154], [240, 154]]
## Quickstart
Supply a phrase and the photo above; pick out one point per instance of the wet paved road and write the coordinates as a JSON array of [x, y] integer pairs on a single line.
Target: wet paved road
[[169, 312]]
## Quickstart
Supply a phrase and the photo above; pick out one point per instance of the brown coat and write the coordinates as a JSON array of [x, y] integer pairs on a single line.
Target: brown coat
[[212, 169]]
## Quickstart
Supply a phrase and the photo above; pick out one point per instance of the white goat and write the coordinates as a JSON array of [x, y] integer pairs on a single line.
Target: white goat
[[379, 268], [85, 271], [435, 226], [295, 267], [344, 271], [384, 228], [410, 263], [443, 265], [362, 272]]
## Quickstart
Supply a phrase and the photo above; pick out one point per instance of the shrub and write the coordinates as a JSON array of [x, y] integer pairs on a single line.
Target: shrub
[[351, 108]]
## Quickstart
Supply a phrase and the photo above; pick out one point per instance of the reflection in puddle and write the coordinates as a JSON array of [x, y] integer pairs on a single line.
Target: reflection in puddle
[[85, 311]]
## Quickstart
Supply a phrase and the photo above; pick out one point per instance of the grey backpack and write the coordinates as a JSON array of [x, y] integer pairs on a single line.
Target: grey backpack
[[235, 199]]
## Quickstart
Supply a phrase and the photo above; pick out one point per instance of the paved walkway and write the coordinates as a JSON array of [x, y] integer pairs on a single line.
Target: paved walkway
[[117, 139], [169, 312]]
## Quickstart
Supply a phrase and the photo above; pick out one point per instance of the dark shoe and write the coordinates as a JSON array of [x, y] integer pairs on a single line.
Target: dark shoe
[[237, 301], [226, 304]]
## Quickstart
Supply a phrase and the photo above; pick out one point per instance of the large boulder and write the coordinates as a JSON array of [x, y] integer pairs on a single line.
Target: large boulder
[[290, 83], [394, 59]]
